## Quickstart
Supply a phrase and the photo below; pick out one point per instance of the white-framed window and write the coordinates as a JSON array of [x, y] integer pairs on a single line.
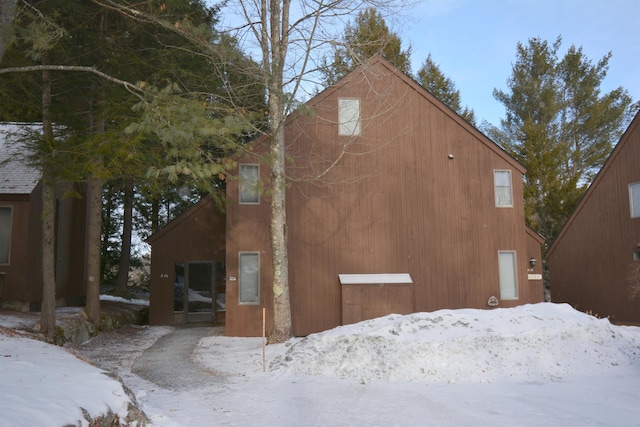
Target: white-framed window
[[348, 117], [508, 275], [502, 186], [249, 278], [6, 214], [634, 199], [249, 179]]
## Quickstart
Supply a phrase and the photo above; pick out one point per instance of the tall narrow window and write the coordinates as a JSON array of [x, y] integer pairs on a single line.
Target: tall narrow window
[[249, 281], [348, 117], [502, 185], [249, 175], [507, 272], [5, 234], [179, 292], [634, 199]]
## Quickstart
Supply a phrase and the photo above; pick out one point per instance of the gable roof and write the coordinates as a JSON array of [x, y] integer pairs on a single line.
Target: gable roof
[[16, 177], [184, 216], [379, 60], [626, 136]]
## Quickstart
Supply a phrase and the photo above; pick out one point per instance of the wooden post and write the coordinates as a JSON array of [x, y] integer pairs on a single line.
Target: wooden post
[[263, 337]]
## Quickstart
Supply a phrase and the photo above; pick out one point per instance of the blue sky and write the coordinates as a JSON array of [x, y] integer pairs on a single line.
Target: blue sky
[[474, 41]]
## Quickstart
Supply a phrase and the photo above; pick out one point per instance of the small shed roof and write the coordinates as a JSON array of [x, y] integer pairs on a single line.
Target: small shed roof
[[16, 177], [375, 279]]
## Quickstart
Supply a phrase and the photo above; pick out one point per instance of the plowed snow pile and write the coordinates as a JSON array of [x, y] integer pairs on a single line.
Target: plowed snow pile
[[526, 343]]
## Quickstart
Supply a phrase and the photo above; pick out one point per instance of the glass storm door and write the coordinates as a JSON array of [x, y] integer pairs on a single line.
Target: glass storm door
[[200, 294]]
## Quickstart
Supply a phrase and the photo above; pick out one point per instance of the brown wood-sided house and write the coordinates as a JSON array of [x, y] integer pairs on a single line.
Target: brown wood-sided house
[[395, 205], [21, 233], [590, 259], [190, 251]]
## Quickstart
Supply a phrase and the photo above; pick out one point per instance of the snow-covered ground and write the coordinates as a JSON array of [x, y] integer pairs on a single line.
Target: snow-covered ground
[[543, 364]]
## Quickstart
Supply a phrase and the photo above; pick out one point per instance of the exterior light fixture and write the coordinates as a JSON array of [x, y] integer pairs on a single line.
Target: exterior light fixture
[[532, 262]]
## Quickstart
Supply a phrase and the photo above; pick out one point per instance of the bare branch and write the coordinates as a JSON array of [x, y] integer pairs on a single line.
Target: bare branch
[[134, 89]]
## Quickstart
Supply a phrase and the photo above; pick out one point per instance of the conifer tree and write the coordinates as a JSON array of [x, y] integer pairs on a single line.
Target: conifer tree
[[178, 83], [432, 79], [367, 36], [559, 126]]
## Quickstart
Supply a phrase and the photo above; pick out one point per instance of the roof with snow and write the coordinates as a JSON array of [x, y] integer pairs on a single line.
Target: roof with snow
[[16, 177]]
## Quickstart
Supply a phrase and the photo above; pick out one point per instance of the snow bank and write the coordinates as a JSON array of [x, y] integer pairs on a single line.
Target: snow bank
[[133, 301], [44, 385], [527, 343]]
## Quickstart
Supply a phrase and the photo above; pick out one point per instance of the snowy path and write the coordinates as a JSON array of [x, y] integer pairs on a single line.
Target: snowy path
[[169, 362]]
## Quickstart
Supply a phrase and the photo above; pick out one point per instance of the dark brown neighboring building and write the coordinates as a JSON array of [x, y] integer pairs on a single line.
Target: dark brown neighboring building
[[21, 232], [395, 205], [590, 258]]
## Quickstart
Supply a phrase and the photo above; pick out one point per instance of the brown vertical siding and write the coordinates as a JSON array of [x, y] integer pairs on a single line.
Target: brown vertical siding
[[196, 235], [589, 259], [23, 276], [18, 280], [395, 203], [247, 231]]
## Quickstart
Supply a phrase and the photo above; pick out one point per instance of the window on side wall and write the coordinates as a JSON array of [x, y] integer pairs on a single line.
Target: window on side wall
[[508, 275], [502, 186], [249, 278], [5, 233], [634, 199], [249, 177], [348, 117]]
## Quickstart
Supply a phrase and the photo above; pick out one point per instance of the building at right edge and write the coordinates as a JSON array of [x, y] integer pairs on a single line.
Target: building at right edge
[[590, 260]]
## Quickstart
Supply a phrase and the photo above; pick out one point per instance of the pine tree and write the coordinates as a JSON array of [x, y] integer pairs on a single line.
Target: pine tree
[[559, 126], [179, 84], [432, 79], [367, 36]]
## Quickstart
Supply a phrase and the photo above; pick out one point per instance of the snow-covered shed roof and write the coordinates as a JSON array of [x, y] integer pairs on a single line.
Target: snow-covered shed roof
[[16, 177]]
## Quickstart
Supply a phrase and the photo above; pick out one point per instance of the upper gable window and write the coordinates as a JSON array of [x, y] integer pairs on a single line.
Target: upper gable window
[[502, 185], [5, 234], [348, 117], [634, 199], [249, 176]]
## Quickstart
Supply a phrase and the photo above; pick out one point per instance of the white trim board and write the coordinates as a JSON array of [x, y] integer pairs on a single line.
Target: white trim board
[[375, 279]]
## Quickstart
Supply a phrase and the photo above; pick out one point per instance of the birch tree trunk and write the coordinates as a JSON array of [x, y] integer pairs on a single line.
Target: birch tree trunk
[[274, 49], [280, 261]]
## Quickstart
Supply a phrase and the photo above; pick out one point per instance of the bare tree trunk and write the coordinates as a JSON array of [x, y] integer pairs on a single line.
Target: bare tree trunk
[[155, 213], [94, 231], [280, 261], [127, 228], [281, 301], [7, 12], [94, 211], [48, 305]]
